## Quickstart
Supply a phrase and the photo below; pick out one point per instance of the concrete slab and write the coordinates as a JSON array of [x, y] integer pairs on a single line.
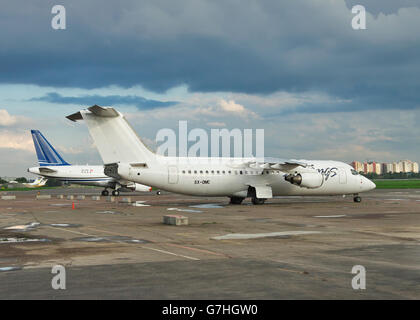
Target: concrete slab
[[43, 196], [8, 197], [175, 220]]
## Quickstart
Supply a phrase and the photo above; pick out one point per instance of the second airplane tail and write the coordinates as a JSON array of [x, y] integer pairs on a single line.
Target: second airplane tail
[[47, 155], [114, 138]]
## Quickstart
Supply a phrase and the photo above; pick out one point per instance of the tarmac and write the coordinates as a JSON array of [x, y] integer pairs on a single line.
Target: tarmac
[[288, 248]]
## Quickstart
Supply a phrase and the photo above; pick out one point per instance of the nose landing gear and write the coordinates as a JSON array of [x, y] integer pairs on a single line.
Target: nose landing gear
[[105, 193], [357, 198]]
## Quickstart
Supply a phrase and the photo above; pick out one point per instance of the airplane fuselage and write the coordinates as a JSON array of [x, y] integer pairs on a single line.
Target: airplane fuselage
[[84, 175], [220, 178]]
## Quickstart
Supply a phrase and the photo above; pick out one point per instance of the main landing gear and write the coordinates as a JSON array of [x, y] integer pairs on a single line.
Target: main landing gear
[[357, 198], [236, 200], [115, 193], [257, 201]]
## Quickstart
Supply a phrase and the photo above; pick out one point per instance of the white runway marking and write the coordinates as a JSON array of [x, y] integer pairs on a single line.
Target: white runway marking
[[238, 236], [171, 253], [333, 216], [183, 210]]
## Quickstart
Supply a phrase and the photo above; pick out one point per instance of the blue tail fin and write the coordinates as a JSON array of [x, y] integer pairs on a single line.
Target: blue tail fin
[[47, 155]]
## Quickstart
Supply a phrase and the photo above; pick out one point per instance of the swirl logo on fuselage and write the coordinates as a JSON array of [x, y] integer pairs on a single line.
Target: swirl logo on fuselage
[[328, 172]]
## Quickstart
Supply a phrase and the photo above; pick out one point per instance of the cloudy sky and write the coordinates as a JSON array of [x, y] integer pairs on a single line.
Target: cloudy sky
[[295, 68]]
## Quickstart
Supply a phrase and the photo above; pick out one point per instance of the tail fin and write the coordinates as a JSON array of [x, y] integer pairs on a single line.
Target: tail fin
[[47, 155], [113, 136]]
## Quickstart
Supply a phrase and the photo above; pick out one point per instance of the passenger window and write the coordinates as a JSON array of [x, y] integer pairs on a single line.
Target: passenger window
[[240, 172], [201, 171], [189, 171], [212, 171], [223, 172], [218, 172], [229, 172], [183, 171], [195, 171], [207, 172]]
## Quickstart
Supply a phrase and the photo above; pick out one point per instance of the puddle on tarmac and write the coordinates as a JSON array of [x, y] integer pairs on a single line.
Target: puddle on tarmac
[[207, 206], [113, 212], [183, 210], [111, 239], [23, 227], [5, 269], [140, 204], [21, 240], [280, 235], [65, 225]]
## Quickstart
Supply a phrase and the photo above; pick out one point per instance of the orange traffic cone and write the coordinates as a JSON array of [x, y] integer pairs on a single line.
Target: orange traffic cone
[[72, 206]]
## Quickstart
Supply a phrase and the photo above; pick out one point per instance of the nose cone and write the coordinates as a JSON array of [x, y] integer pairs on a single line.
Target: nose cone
[[368, 185]]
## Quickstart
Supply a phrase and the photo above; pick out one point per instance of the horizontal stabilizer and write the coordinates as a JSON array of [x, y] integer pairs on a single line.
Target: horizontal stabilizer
[[105, 112]]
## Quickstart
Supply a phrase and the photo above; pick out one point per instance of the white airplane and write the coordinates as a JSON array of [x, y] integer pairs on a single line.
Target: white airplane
[[52, 165], [126, 157], [39, 182]]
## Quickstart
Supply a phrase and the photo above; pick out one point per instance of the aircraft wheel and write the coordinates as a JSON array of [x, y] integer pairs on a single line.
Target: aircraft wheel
[[105, 193], [158, 193], [357, 199], [257, 201], [115, 193], [236, 200]]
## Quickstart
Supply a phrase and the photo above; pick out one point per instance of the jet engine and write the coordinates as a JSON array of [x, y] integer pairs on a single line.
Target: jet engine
[[310, 180], [137, 187]]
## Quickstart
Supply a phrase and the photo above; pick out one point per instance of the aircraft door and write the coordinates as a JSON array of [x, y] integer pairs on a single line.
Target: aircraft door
[[342, 175], [173, 174]]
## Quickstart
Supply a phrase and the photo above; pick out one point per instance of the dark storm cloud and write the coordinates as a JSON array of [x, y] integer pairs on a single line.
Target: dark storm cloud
[[260, 47], [114, 100]]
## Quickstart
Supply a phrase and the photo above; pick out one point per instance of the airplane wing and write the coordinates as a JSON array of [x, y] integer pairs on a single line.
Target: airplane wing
[[270, 164]]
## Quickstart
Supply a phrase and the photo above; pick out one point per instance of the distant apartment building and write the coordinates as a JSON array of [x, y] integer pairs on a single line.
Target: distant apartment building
[[405, 166], [387, 168], [358, 166]]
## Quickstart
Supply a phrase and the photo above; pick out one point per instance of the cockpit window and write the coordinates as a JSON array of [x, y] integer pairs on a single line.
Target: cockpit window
[[354, 172]]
